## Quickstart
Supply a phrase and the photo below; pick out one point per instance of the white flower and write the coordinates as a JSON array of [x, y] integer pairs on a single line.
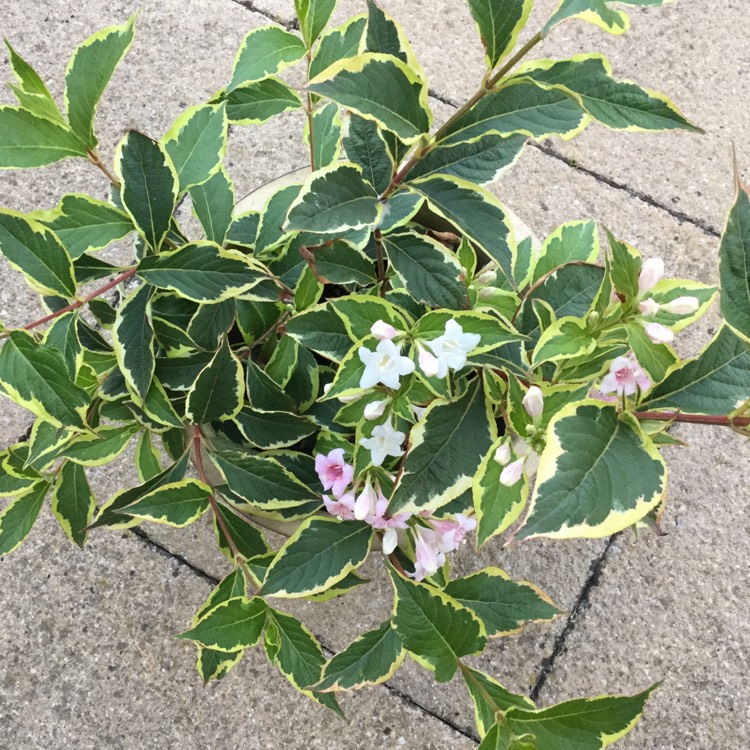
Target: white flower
[[503, 454], [682, 306], [652, 272], [390, 540], [649, 307], [487, 278], [383, 331], [452, 348], [533, 402], [427, 362], [385, 441], [419, 411], [512, 473], [375, 410], [385, 365], [658, 333]]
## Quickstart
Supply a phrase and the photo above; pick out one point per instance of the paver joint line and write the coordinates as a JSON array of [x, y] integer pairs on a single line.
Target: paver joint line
[[547, 665]]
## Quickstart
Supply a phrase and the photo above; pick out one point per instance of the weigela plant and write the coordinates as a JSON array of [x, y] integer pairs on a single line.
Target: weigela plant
[[373, 364]]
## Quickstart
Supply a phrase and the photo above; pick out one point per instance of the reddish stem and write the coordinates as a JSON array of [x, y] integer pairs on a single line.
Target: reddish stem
[[708, 419]]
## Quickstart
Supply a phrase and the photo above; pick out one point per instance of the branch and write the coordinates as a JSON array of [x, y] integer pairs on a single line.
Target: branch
[[707, 419]]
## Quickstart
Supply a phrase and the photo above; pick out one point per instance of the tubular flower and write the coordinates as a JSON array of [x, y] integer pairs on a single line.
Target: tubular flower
[[343, 508], [533, 402], [658, 333], [452, 348], [625, 377], [649, 307], [385, 365], [652, 272], [513, 472], [383, 331], [682, 306], [385, 441], [334, 473]]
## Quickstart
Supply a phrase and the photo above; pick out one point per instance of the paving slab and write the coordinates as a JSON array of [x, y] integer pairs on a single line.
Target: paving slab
[[674, 608]]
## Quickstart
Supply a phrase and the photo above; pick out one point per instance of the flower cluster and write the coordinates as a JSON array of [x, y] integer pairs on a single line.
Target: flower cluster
[[432, 538]]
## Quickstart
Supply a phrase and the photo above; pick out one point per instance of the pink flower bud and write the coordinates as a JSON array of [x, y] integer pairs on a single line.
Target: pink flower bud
[[503, 455], [682, 306], [512, 473], [383, 331], [486, 278], [533, 402], [659, 334], [652, 272], [428, 363], [649, 307], [375, 409]]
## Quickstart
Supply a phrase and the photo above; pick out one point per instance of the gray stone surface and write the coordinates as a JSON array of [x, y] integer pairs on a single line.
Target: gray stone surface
[[88, 657]]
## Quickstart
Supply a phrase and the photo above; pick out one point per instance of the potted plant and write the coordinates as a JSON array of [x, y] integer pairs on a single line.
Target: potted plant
[[370, 360]]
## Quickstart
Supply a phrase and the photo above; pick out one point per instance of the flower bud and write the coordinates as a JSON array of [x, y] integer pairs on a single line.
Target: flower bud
[[658, 333], [383, 331], [649, 307], [503, 455], [682, 306], [487, 292], [512, 473], [652, 272], [390, 540], [327, 387], [487, 278], [533, 402], [375, 409]]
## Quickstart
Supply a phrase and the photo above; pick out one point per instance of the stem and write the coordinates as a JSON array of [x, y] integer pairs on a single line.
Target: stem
[[310, 118], [238, 559], [97, 162], [487, 88], [78, 303], [470, 677], [707, 419], [380, 257]]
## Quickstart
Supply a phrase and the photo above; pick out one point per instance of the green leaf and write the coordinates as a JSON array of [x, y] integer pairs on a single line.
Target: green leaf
[[214, 665], [434, 627], [497, 507], [360, 311], [429, 272], [44, 445], [520, 107], [598, 474], [261, 481], [619, 105], [264, 393], [265, 51], [18, 517], [272, 430], [36, 378], [322, 330], [202, 271], [218, 392], [100, 448], [565, 339], [340, 263], [584, 724], [213, 203], [210, 323], [503, 605], [334, 199], [196, 143], [320, 553], [256, 103], [400, 209], [381, 88], [499, 22], [73, 502], [35, 251], [337, 44], [668, 290], [248, 540], [313, 17], [597, 12], [370, 660], [570, 242], [270, 232], [133, 337], [481, 160], [232, 625], [476, 213], [716, 382], [30, 141], [440, 463], [283, 360], [146, 458], [734, 267], [149, 186], [175, 504], [89, 71], [326, 138], [489, 696], [31, 92], [366, 147], [655, 359], [85, 225], [232, 586]]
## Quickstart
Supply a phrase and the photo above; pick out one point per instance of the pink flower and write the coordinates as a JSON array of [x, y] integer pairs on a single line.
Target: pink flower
[[513, 472], [429, 556], [658, 333], [649, 307], [343, 508], [682, 306], [383, 331], [335, 474], [452, 533], [599, 396], [625, 377], [652, 272], [503, 454]]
